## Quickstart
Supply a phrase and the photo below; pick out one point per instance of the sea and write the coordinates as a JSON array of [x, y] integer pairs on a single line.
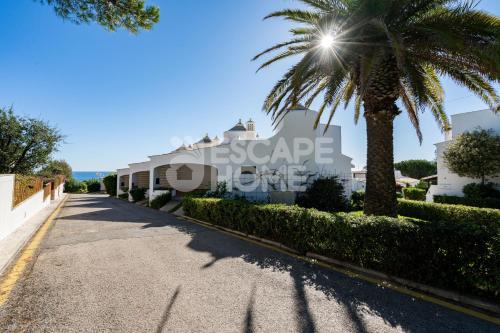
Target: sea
[[86, 175]]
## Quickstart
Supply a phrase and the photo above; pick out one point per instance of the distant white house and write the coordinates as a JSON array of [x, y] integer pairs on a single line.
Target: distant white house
[[251, 166], [449, 183]]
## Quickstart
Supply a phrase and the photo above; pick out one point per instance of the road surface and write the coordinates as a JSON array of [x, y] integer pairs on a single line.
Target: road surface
[[111, 266]]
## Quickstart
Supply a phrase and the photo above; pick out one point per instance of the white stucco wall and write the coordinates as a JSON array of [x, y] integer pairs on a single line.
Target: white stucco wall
[[450, 183], [13, 218]]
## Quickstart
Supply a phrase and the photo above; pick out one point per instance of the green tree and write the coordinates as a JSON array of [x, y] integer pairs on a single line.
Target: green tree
[[56, 167], [377, 53], [474, 154], [132, 15], [416, 168], [110, 183], [26, 144]]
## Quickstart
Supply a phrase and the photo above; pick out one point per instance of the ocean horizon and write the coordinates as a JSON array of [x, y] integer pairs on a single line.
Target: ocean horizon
[[86, 175]]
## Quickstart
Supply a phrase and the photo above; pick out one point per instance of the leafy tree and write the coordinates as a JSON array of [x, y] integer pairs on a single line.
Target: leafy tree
[[132, 15], [56, 167], [26, 144], [474, 154], [416, 168], [376, 53], [110, 183]]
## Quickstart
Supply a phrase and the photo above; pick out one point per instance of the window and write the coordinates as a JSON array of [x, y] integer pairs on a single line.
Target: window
[[122, 184], [157, 181], [248, 170]]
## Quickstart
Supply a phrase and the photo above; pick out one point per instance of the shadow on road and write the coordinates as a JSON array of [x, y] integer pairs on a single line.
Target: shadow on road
[[168, 309], [357, 297]]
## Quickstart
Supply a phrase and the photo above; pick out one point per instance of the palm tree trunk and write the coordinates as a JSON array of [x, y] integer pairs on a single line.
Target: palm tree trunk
[[380, 195]]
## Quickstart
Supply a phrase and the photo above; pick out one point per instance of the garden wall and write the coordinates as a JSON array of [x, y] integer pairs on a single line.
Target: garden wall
[[11, 217]]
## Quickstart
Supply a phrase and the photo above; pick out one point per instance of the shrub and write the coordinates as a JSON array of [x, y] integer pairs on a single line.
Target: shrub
[[220, 191], [414, 193], [423, 185], [460, 256], [123, 196], [74, 186], [138, 194], [93, 185], [357, 200], [480, 191], [110, 183], [481, 203], [161, 200], [435, 212], [325, 194]]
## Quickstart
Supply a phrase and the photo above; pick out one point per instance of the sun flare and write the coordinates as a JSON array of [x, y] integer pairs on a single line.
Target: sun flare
[[327, 41]]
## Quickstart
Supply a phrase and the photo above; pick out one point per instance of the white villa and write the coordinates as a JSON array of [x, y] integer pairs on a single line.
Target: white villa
[[272, 169], [449, 183]]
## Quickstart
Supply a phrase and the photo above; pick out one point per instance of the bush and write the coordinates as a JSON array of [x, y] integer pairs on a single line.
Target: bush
[[123, 196], [436, 212], [93, 185], [416, 168], [460, 256], [220, 191], [480, 191], [414, 193], [74, 186], [357, 200], [110, 183], [138, 194], [481, 203], [161, 200], [325, 194]]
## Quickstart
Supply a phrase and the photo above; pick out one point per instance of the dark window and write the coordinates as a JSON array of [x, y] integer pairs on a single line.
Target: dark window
[[157, 181], [122, 184]]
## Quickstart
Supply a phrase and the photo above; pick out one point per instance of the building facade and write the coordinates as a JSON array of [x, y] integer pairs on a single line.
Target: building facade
[[449, 183], [252, 167]]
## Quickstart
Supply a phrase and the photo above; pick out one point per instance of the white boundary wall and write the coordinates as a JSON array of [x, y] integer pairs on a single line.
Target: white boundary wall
[[13, 218]]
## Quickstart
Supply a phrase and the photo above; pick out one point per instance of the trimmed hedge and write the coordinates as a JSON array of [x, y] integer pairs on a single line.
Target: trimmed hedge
[[435, 212], [414, 193], [480, 203], [161, 200], [460, 256]]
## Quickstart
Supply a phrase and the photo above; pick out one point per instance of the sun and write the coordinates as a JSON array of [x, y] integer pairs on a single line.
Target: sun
[[327, 41]]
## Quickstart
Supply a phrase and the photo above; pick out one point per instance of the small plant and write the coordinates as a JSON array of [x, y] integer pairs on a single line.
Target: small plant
[[220, 191], [93, 185], [326, 194], [110, 183], [161, 200], [123, 196], [138, 194], [414, 193], [357, 200]]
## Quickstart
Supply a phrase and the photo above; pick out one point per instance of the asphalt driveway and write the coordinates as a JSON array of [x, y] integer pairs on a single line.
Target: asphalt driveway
[[111, 266]]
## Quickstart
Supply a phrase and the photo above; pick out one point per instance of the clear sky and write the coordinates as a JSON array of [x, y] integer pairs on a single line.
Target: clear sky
[[120, 97]]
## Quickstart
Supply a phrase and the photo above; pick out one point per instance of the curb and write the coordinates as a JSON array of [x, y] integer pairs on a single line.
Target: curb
[[426, 293]]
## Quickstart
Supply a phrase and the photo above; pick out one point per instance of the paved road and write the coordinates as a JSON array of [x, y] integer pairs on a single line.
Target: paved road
[[111, 266]]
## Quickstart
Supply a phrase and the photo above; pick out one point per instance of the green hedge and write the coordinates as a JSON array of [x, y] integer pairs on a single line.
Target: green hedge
[[110, 183], [460, 256], [161, 200], [481, 203], [435, 212], [414, 193]]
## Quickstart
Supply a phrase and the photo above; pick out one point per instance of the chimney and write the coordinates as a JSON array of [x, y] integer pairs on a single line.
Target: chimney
[[250, 125]]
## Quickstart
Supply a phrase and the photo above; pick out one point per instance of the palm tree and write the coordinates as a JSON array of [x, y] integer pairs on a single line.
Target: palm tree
[[377, 53]]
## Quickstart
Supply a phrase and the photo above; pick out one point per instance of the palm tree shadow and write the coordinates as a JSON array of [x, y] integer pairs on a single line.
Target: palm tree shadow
[[167, 311]]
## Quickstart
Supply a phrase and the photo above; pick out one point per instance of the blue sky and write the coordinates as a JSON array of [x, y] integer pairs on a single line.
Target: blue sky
[[120, 97]]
